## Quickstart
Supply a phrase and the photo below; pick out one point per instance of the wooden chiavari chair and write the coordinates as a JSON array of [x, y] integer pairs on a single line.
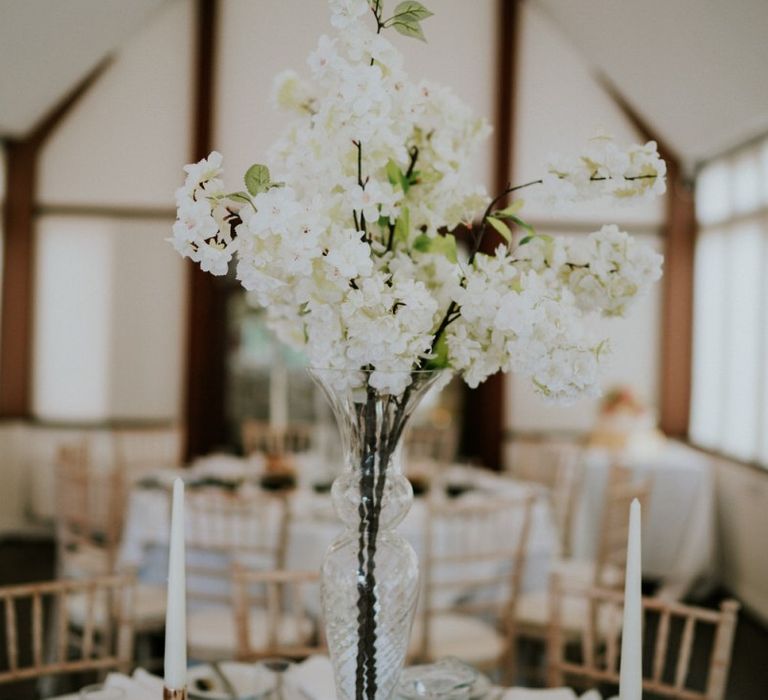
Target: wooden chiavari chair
[[90, 620], [221, 531], [472, 576], [556, 464], [533, 612], [427, 443], [89, 521], [138, 451], [272, 614], [599, 649], [89, 514], [262, 438]]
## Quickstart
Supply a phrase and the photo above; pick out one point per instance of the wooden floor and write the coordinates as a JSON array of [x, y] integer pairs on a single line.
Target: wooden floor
[[23, 561]]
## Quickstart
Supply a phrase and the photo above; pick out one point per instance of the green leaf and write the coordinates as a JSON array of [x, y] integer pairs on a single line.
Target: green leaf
[[511, 210], [525, 240], [446, 246], [523, 224], [393, 173], [409, 28], [403, 225], [257, 179], [440, 245], [396, 176], [440, 360], [238, 197], [411, 10], [501, 228], [423, 243], [383, 221]]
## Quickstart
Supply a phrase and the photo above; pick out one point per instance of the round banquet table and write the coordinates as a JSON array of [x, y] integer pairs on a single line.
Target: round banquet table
[[314, 525], [678, 529]]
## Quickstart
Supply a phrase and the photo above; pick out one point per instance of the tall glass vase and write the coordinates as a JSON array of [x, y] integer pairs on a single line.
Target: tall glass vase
[[370, 573]]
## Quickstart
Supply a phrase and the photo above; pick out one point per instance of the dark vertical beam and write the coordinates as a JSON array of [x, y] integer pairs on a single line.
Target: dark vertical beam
[[16, 311], [677, 306], [206, 321], [484, 408], [677, 318], [18, 280]]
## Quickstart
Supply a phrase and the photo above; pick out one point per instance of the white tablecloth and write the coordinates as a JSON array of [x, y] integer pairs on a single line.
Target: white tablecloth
[[314, 677], [313, 526], [678, 529]]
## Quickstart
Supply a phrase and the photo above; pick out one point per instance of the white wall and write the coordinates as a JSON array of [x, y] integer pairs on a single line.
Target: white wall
[[110, 293], [109, 321], [109, 340], [124, 143], [742, 495], [73, 290], [148, 323], [560, 106]]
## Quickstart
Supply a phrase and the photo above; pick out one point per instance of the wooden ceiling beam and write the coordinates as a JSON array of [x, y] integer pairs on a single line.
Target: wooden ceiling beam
[[680, 230]]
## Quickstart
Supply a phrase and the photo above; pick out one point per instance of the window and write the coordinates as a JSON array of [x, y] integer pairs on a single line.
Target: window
[[729, 409]]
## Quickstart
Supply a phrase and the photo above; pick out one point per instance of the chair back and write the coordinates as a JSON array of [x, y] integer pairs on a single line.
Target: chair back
[[600, 642], [556, 464], [565, 489], [76, 625], [622, 488], [90, 505], [285, 597], [428, 443], [222, 530], [261, 437], [470, 566], [138, 451]]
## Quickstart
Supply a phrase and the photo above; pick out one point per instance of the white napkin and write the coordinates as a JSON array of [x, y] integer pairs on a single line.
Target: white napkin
[[315, 677], [153, 684], [142, 686], [540, 694]]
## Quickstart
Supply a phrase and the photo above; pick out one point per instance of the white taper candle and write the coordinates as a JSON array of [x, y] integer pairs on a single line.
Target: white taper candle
[[278, 395], [631, 673], [176, 606]]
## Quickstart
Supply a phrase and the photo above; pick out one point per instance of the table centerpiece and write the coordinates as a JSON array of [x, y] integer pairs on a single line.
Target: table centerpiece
[[349, 241]]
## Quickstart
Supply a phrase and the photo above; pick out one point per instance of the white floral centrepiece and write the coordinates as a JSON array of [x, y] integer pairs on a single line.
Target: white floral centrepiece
[[349, 247], [347, 240]]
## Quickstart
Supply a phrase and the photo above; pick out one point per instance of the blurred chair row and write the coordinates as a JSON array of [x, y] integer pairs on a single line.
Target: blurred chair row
[[93, 618], [472, 604], [423, 442], [76, 626]]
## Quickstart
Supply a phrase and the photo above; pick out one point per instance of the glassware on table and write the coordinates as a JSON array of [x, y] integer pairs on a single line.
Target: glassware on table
[[447, 679], [280, 688], [99, 691]]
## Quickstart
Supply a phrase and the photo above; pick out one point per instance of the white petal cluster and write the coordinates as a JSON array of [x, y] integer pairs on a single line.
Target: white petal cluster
[[604, 170], [609, 269], [201, 232], [343, 240], [514, 321], [605, 271]]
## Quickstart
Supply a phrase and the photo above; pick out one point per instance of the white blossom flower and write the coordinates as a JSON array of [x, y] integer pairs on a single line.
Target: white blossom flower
[[346, 248], [344, 13]]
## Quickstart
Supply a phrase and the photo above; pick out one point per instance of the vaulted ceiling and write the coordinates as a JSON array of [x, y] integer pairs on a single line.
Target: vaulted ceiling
[[48, 46], [696, 70], [693, 69]]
